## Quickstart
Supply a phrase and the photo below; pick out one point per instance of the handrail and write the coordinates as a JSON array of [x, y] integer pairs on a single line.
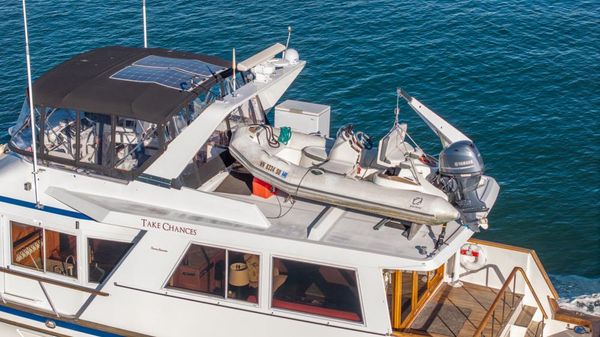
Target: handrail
[[501, 292], [54, 282], [529, 251]]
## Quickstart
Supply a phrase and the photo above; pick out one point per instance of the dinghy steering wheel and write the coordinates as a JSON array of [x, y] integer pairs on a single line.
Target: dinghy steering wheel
[[363, 140]]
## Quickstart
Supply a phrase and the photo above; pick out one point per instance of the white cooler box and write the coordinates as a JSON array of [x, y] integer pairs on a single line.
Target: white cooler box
[[303, 116]]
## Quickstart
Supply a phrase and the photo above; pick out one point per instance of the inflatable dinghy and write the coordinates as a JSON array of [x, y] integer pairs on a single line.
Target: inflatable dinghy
[[336, 172]]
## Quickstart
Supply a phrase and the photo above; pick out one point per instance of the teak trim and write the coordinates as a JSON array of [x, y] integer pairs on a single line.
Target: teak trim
[[30, 327], [572, 317], [531, 252], [54, 282], [501, 292]]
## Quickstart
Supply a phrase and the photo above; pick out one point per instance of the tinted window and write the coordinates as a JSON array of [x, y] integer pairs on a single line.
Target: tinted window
[[27, 245], [203, 270], [61, 253], [39, 249], [243, 276], [104, 255], [316, 289]]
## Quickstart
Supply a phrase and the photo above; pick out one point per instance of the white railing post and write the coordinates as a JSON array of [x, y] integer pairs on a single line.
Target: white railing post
[[31, 109], [145, 25]]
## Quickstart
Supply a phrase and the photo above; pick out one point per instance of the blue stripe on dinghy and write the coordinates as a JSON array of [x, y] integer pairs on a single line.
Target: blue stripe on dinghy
[[48, 209], [59, 323]]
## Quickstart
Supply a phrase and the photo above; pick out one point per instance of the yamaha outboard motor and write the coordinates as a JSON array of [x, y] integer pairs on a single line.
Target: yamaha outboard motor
[[460, 170]]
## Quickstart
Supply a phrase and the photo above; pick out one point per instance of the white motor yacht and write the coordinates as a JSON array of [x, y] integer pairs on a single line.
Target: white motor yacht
[[139, 219]]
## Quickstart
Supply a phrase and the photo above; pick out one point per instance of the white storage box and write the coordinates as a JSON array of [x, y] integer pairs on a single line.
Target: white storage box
[[303, 116]]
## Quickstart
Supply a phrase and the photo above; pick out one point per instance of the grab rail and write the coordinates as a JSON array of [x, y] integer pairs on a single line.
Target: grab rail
[[528, 251], [51, 281], [491, 313]]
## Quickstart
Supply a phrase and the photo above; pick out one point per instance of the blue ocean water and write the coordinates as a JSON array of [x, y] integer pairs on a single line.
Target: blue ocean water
[[521, 78]]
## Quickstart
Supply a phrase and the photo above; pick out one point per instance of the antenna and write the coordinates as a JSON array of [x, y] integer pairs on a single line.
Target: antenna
[[234, 79], [288, 40], [145, 27], [397, 110], [31, 109]]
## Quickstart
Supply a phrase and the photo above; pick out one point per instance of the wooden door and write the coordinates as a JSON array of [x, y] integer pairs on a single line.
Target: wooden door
[[410, 291]]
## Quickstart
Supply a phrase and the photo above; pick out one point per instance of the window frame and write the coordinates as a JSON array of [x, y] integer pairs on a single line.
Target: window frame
[[11, 247], [85, 264], [326, 319], [105, 169], [39, 224], [208, 296], [77, 250]]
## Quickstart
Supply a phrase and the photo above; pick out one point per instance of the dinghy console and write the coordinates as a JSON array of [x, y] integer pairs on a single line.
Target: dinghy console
[[346, 152]]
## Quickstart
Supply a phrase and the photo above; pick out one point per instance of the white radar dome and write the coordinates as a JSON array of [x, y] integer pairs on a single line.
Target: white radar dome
[[292, 56]]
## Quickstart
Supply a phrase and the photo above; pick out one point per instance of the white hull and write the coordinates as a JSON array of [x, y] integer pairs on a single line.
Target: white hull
[[317, 270]]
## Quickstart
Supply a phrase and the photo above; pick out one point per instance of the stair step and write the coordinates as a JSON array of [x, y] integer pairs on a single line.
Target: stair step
[[535, 329], [525, 316]]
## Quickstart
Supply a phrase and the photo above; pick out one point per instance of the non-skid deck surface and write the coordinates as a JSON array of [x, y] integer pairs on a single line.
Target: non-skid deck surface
[[457, 312], [292, 218]]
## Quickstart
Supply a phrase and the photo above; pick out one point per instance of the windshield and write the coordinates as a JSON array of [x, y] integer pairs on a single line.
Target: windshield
[[109, 144]]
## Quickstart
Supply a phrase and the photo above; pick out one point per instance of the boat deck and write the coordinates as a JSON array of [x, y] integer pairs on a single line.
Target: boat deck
[[308, 220], [457, 312]]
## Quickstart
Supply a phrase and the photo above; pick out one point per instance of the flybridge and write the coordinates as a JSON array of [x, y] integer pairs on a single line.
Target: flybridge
[[113, 110]]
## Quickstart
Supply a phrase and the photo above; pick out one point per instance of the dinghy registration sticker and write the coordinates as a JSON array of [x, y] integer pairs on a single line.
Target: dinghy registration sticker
[[273, 169]]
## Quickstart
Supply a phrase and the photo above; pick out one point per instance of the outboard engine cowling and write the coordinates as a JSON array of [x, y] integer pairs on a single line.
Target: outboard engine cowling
[[460, 170]]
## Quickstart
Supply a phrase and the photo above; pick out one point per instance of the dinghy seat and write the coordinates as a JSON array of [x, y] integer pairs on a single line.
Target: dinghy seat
[[316, 156], [345, 154], [313, 155]]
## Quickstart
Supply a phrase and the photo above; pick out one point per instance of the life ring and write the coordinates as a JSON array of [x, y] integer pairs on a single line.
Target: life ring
[[472, 256]]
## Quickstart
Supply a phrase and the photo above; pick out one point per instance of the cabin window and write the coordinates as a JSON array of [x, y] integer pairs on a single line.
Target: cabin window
[[135, 142], [27, 245], [243, 276], [44, 250], [21, 120], [316, 289], [21, 133], [61, 253], [87, 131], [103, 257], [60, 133], [218, 272]]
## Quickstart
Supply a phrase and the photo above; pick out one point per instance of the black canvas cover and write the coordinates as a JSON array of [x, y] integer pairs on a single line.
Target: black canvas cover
[[83, 83]]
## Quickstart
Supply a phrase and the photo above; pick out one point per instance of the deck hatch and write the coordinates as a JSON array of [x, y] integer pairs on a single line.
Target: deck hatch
[[178, 74]]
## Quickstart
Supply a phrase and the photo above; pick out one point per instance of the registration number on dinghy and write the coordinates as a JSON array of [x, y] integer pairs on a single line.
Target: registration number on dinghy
[[273, 169]]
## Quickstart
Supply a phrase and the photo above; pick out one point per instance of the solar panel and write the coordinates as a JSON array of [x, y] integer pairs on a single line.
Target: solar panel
[[192, 66], [170, 78], [179, 74]]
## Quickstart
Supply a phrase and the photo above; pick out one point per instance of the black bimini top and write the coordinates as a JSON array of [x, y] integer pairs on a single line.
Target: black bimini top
[[146, 84]]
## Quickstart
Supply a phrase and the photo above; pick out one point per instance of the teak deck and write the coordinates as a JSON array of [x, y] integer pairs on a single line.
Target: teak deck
[[470, 297]]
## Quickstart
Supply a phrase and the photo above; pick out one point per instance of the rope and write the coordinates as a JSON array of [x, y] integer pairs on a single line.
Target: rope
[[281, 214], [271, 140], [285, 134]]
